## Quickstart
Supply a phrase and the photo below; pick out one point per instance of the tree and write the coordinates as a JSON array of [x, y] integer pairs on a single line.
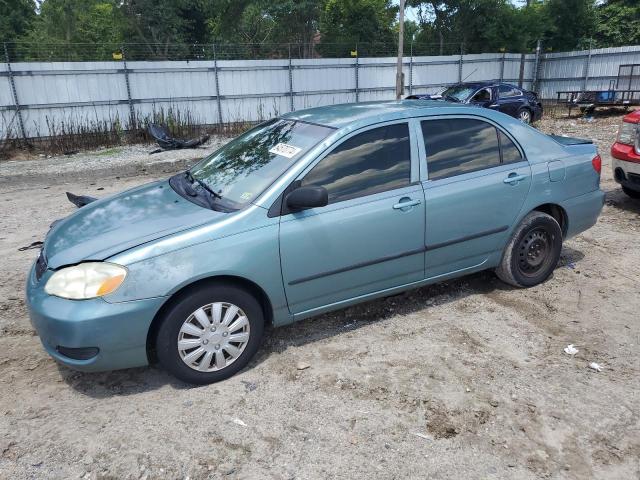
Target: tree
[[618, 23], [63, 23], [16, 17], [345, 23], [157, 24], [571, 23]]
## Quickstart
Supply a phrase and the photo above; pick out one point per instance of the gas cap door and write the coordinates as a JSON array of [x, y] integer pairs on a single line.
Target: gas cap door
[[556, 170]]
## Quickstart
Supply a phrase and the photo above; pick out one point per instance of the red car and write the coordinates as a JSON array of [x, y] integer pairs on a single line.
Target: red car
[[626, 155]]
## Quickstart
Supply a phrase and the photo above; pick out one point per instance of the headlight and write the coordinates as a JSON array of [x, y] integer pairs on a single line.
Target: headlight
[[86, 280], [627, 133]]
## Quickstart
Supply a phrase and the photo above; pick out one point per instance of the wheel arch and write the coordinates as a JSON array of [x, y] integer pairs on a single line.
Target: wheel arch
[[557, 212], [248, 285]]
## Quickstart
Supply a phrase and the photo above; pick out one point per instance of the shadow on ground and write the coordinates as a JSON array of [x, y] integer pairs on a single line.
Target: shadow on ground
[[140, 380]]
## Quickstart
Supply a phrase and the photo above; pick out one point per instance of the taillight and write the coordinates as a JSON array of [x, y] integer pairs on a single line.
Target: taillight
[[597, 163]]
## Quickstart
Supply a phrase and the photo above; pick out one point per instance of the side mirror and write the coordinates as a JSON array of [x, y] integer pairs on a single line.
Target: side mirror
[[307, 197]]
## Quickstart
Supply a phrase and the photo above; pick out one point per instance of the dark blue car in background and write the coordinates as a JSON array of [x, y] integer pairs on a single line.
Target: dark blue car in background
[[504, 97]]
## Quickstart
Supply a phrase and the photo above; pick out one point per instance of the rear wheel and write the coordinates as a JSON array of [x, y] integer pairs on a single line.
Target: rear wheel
[[532, 252], [631, 193], [210, 334], [524, 115]]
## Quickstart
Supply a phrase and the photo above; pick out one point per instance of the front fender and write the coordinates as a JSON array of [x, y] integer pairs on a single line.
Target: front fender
[[252, 255]]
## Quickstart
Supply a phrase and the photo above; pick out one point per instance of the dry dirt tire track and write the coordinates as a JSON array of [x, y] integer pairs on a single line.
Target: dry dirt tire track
[[465, 379]]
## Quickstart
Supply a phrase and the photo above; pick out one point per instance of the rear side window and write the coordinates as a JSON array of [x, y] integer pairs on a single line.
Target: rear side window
[[505, 91], [510, 153], [370, 162], [459, 145]]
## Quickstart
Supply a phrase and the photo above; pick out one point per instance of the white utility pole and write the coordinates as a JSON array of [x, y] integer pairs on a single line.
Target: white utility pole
[[399, 76]]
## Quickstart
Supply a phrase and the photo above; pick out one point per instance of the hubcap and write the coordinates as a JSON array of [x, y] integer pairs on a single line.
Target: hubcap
[[534, 252], [525, 116], [213, 337]]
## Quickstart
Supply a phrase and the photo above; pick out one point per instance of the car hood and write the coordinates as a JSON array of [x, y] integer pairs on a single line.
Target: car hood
[[114, 224]]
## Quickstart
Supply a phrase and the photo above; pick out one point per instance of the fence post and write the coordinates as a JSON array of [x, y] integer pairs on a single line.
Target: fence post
[[132, 112], [356, 73], [14, 92], [217, 80], [290, 81], [587, 63], [411, 70], [536, 67], [460, 62], [502, 66], [523, 58]]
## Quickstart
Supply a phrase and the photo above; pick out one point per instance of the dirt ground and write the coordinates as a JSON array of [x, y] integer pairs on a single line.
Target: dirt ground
[[464, 379]]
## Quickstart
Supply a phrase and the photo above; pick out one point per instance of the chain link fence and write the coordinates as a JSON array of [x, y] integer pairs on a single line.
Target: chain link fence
[[91, 52]]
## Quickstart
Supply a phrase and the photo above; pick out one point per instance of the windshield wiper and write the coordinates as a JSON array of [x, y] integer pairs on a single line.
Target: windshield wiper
[[193, 180]]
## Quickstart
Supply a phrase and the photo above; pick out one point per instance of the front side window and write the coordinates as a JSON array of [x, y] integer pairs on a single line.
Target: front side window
[[483, 95], [459, 145], [371, 162], [246, 166]]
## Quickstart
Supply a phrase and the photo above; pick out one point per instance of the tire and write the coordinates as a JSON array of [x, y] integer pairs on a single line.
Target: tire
[[632, 193], [214, 300], [532, 252], [525, 115]]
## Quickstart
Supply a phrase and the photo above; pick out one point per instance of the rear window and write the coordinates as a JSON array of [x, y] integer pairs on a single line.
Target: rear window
[[459, 145]]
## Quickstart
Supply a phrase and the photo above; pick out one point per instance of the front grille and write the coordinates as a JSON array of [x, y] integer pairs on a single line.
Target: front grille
[[634, 178], [41, 265]]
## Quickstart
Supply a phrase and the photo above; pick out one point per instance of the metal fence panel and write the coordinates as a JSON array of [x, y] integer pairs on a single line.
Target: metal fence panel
[[71, 97]]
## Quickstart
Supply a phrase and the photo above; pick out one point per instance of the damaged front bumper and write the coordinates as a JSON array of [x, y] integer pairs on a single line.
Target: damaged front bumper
[[90, 335]]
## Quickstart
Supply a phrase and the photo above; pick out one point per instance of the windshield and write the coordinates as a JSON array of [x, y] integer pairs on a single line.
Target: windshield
[[246, 166], [458, 93]]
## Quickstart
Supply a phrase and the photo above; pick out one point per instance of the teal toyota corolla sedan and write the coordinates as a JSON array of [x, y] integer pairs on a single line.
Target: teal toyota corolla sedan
[[310, 212]]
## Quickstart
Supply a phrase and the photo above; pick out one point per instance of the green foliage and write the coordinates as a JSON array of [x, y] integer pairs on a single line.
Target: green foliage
[[571, 24], [269, 28], [345, 23], [16, 17], [65, 22], [618, 23]]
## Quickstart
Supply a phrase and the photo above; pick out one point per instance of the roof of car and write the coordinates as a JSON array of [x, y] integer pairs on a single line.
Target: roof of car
[[344, 114]]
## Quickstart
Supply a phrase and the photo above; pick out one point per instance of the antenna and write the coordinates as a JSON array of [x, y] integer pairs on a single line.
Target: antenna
[[469, 75]]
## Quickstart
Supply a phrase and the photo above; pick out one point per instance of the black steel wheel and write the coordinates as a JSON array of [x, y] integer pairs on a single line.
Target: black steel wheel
[[532, 252]]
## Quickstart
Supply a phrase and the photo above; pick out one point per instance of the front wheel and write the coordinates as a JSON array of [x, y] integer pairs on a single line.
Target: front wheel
[[209, 333], [533, 251], [631, 193]]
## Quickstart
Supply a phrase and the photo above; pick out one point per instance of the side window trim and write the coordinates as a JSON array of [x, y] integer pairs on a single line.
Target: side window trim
[[422, 149]]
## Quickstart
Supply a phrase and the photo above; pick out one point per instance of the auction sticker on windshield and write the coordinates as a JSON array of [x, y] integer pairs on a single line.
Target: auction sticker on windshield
[[285, 150]]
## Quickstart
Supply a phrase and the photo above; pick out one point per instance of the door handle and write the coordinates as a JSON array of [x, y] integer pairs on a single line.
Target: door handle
[[514, 178], [405, 203]]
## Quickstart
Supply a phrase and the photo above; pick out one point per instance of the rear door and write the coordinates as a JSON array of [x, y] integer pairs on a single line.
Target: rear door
[[477, 181], [370, 237], [510, 99]]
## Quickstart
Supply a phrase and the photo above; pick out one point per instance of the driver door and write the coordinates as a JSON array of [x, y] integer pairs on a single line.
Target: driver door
[[370, 236]]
